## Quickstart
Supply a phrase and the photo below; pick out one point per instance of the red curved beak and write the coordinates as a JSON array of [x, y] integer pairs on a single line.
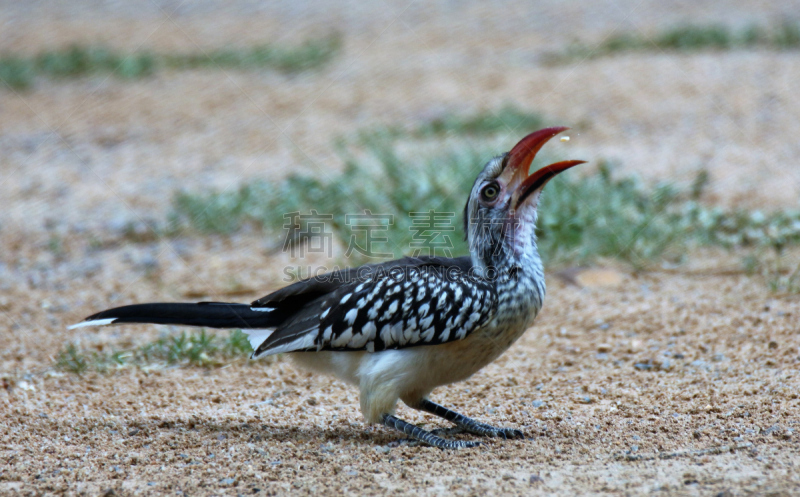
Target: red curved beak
[[521, 156]]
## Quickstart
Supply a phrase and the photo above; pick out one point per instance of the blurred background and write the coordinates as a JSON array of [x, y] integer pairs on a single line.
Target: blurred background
[[151, 150]]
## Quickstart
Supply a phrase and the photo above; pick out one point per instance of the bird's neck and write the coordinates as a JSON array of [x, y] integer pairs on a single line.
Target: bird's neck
[[519, 281], [491, 265], [509, 252]]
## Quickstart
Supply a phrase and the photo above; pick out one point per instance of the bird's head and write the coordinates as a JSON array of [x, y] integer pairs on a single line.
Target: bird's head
[[500, 215]]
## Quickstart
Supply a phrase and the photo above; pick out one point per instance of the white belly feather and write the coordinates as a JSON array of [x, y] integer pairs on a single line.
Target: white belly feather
[[408, 374]]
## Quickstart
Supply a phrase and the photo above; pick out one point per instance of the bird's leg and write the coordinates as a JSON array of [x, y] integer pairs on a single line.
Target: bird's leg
[[467, 424], [425, 436]]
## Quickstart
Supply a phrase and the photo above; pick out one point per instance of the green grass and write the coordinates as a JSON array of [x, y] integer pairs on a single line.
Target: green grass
[[376, 178], [20, 72], [688, 38], [585, 215], [310, 55], [508, 118], [199, 349]]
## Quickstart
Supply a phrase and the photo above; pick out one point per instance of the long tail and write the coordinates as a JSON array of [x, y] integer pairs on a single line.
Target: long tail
[[208, 314]]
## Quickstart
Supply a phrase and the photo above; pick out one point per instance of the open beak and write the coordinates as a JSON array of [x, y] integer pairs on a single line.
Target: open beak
[[520, 158]]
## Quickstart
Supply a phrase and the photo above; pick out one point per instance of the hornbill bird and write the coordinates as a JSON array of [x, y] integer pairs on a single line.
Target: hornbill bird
[[400, 329]]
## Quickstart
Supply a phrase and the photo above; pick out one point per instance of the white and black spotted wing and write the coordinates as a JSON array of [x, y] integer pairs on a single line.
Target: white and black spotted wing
[[418, 302]]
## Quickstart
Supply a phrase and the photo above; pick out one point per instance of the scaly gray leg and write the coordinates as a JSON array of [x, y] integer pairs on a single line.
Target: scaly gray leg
[[429, 438], [467, 424]]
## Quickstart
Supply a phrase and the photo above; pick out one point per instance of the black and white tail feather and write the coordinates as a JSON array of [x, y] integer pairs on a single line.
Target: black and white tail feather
[[256, 322]]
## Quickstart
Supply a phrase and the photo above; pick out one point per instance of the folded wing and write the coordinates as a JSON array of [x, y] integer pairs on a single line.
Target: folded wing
[[410, 302]]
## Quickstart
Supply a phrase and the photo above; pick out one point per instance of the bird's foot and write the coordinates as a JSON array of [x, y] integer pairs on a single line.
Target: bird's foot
[[486, 430], [468, 424], [480, 429], [424, 436]]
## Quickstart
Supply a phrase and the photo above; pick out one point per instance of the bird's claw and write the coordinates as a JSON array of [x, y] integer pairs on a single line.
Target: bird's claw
[[508, 433], [460, 444], [492, 431]]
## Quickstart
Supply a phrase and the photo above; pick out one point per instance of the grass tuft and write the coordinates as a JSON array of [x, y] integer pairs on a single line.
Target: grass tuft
[[598, 215], [508, 118], [309, 55], [74, 361], [75, 61], [376, 178], [688, 38], [187, 349]]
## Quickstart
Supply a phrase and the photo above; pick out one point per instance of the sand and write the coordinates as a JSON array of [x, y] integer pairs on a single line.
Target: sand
[[677, 382]]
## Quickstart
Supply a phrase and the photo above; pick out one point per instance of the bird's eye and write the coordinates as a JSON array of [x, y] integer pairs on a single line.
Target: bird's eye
[[490, 192]]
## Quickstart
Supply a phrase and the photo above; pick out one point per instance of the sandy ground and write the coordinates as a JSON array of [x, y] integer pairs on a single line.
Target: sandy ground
[[711, 408]]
